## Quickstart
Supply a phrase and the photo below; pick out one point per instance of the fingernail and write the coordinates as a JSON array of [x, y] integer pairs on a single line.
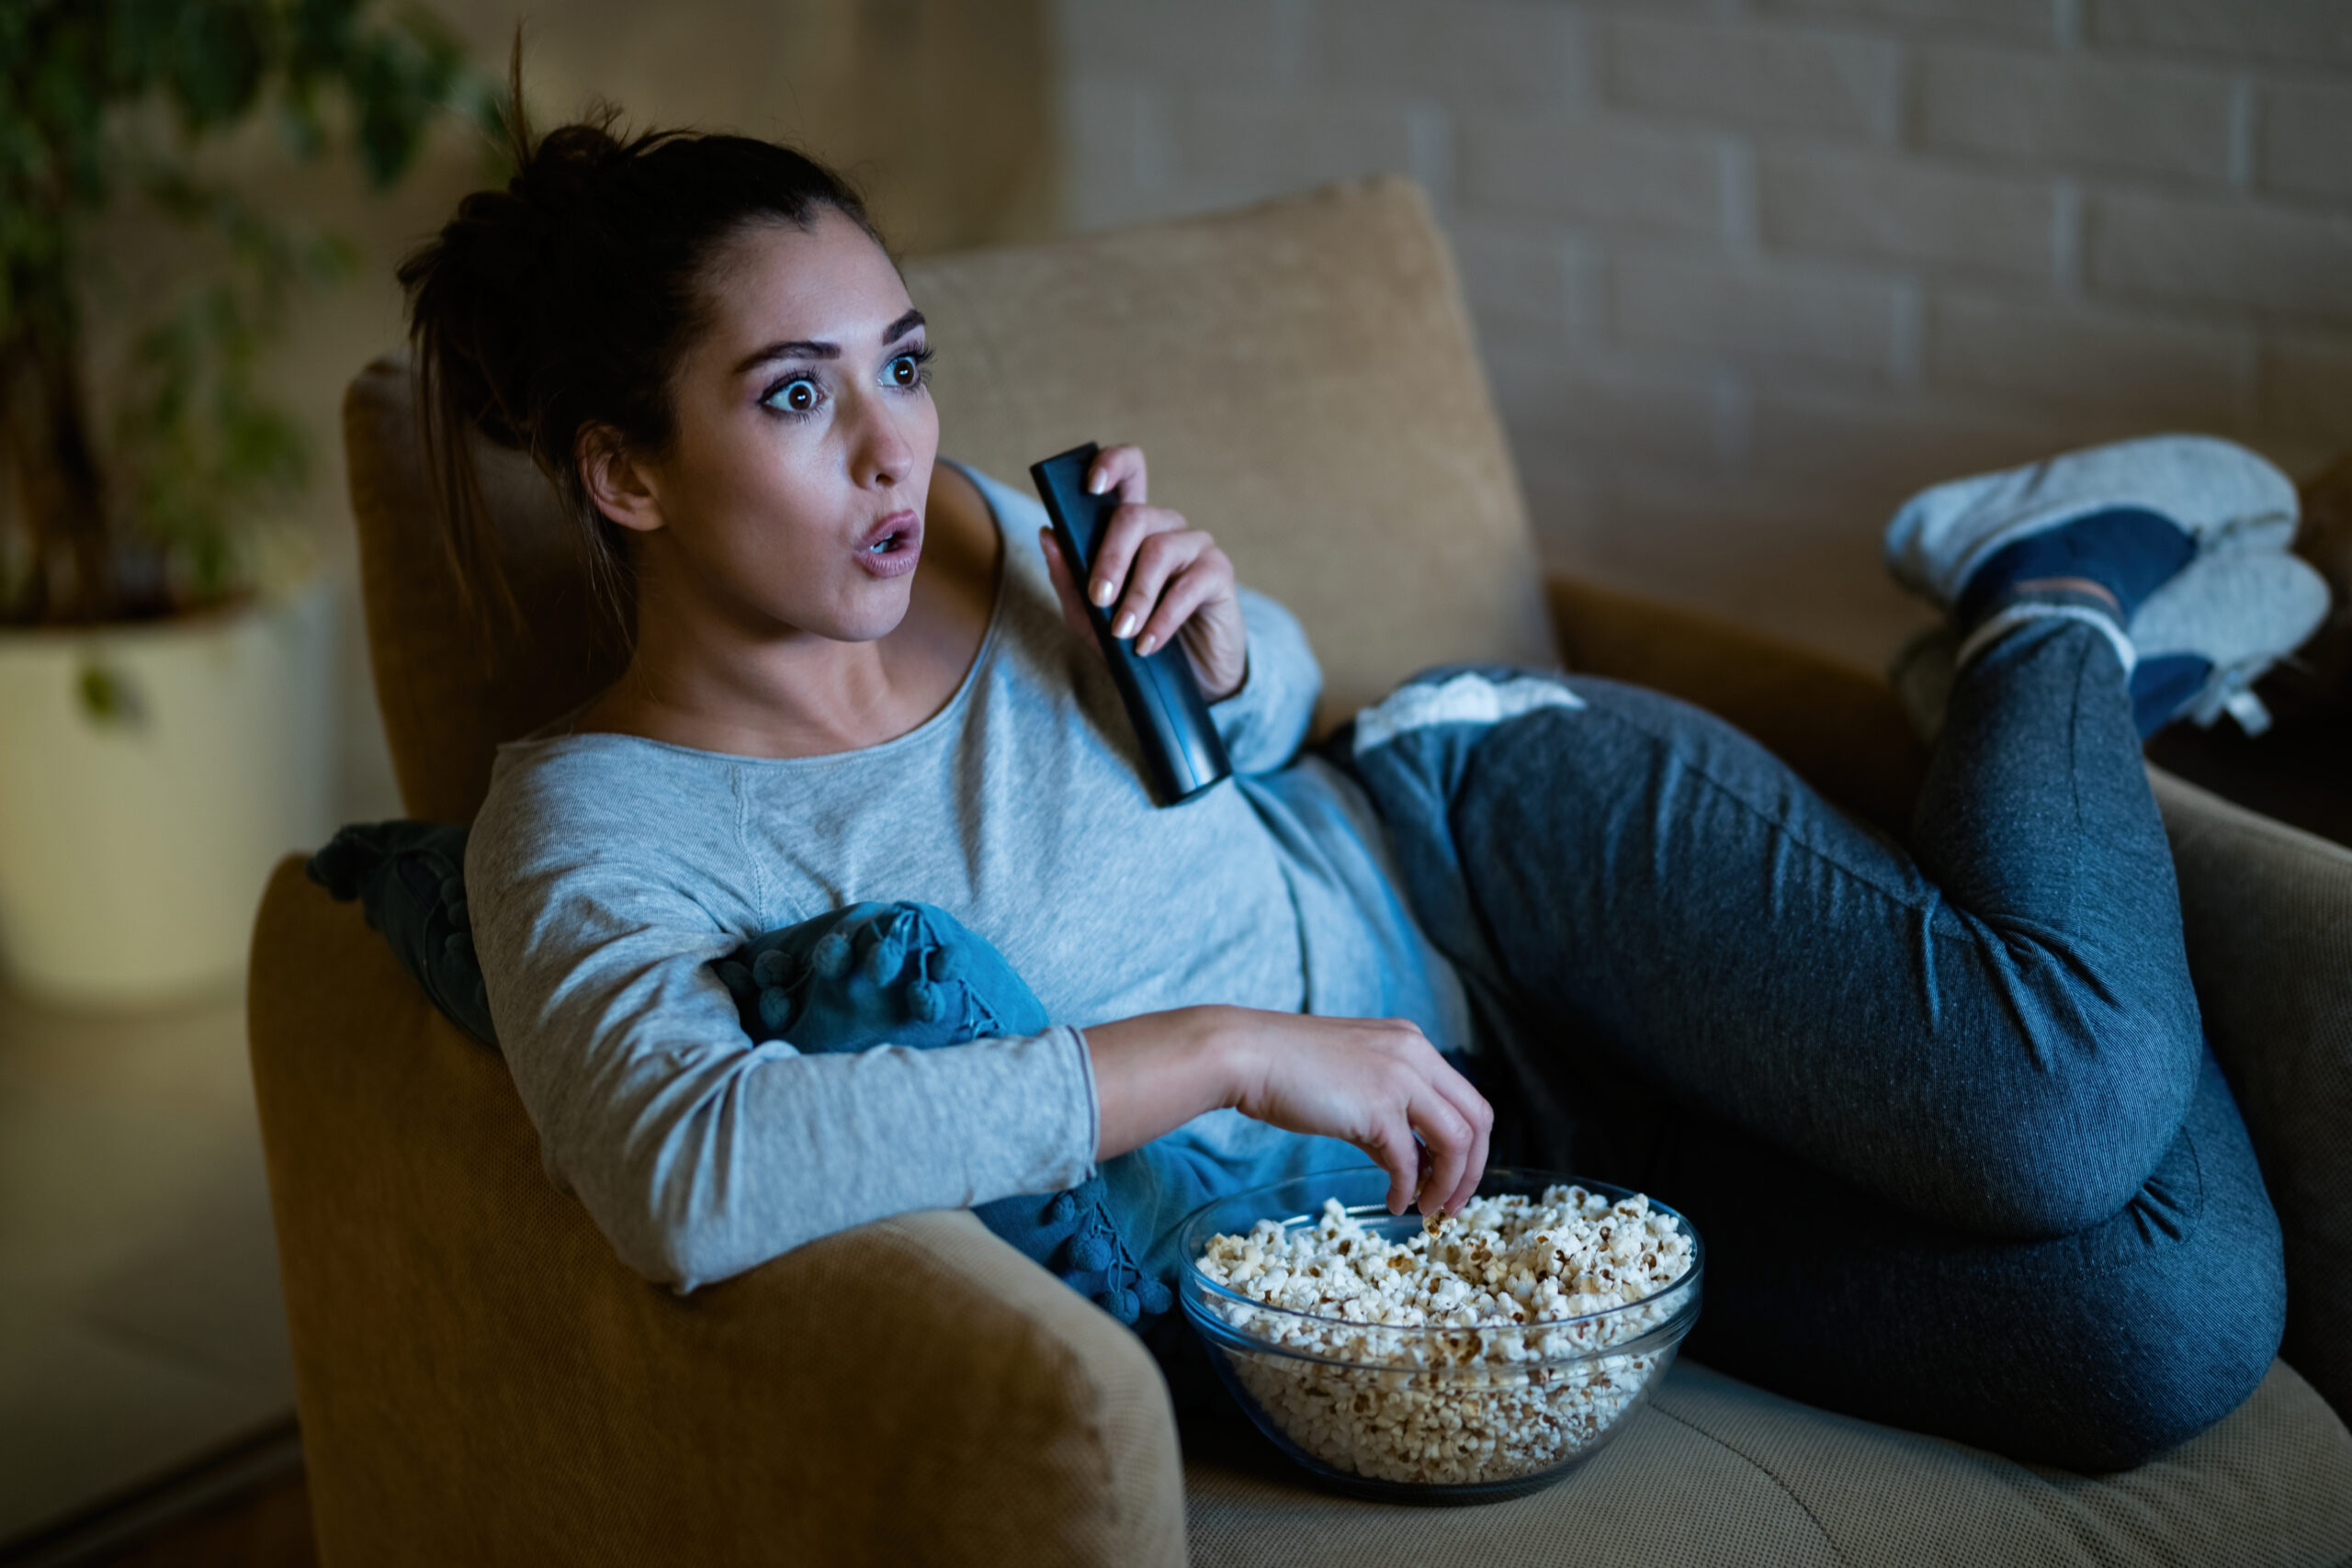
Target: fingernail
[[1126, 625], [1101, 592], [1145, 644], [1094, 485]]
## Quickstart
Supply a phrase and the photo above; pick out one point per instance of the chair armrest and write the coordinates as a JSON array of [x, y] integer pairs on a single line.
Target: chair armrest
[[2269, 914], [479, 1380], [1841, 729]]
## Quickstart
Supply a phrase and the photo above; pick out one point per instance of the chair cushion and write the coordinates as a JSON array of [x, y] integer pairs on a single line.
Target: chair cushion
[[1717, 1472]]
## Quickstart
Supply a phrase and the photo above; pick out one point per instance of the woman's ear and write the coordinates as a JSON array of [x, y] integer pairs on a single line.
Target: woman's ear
[[616, 483]]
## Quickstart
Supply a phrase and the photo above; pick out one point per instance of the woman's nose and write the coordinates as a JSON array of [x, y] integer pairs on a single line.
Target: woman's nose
[[880, 453]]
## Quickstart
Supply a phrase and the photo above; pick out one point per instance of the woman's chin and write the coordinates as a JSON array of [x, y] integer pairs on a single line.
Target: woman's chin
[[875, 610]]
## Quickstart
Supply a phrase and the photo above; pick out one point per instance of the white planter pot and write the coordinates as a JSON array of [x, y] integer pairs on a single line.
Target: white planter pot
[[133, 847]]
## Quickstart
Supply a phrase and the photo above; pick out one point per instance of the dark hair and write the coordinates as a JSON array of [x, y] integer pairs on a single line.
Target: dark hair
[[565, 301]]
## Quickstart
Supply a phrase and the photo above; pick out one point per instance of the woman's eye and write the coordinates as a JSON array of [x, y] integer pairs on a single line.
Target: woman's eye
[[798, 395], [904, 371]]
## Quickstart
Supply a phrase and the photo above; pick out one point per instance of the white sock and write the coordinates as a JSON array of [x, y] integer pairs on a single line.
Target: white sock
[[2018, 612]]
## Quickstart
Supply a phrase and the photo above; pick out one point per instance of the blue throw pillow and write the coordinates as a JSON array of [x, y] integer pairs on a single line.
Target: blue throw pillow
[[873, 974], [905, 973], [410, 880]]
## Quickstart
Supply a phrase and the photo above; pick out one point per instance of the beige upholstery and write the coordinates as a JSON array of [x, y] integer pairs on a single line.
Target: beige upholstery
[[453, 683], [481, 1380], [1717, 1473], [1310, 401]]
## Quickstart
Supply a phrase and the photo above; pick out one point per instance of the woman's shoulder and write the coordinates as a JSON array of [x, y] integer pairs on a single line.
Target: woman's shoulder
[[601, 832], [605, 797], [607, 766], [1013, 506]]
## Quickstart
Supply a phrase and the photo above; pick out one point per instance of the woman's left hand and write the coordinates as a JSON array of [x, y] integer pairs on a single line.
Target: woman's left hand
[[1167, 579]]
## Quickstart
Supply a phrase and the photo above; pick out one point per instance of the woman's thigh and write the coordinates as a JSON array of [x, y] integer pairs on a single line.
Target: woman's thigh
[[1628, 869]]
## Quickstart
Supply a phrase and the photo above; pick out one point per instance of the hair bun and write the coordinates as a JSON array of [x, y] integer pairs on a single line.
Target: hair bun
[[557, 178], [502, 239]]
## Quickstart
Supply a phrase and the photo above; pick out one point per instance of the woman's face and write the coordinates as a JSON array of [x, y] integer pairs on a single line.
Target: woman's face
[[793, 493]]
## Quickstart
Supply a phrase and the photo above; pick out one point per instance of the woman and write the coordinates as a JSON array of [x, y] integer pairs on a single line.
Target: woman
[[1907, 1095]]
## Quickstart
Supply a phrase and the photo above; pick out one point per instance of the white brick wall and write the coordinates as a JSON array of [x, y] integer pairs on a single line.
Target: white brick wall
[[1746, 272], [1616, 177], [2015, 105]]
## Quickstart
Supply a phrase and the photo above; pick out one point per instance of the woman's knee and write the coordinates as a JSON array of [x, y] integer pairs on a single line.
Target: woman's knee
[[2157, 1373], [2171, 1312]]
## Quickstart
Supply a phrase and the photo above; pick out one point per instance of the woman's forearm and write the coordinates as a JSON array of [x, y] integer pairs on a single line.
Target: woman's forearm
[[1154, 1073], [1374, 1082]]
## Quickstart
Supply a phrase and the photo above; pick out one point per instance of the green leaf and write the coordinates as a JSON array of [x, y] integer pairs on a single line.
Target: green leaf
[[108, 697], [219, 54], [105, 100]]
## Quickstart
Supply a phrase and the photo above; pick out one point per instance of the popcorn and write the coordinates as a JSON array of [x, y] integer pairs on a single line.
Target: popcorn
[[1474, 1354]]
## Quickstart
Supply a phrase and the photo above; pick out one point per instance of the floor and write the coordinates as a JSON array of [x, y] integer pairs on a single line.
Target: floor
[[139, 1323], [144, 1380], [265, 1526]]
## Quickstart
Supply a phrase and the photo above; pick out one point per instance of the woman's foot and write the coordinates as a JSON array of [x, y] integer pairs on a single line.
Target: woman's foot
[[2173, 548]]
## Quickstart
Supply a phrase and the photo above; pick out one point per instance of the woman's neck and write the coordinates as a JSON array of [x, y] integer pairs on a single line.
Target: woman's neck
[[696, 679]]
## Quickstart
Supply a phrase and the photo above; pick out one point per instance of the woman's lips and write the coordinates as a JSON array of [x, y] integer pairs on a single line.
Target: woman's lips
[[891, 547]]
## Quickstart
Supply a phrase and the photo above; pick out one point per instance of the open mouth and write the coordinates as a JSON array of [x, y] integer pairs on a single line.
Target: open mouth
[[894, 546]]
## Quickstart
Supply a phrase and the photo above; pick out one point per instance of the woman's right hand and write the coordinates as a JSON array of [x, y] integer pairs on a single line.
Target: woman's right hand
[[1372, 1082]]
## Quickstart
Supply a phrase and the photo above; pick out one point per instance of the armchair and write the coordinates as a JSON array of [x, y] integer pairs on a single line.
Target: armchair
[[479, 1380]]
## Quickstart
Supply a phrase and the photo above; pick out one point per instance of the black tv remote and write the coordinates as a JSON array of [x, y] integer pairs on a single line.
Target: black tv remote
[[1180, 745]]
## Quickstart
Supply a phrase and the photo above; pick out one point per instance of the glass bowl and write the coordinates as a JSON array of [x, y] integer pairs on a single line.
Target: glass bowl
[[1436, 1413]]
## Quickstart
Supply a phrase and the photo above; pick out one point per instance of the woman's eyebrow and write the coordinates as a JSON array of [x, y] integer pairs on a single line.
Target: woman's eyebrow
[[815, 348]]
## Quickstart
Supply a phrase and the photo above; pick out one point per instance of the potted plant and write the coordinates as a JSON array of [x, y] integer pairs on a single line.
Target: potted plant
[[164, 655]]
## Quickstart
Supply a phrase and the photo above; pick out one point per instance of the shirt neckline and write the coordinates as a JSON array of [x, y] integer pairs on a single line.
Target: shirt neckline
[[938, 721]]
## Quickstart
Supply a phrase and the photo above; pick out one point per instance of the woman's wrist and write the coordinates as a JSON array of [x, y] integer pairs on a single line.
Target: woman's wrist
[[1241, 681]]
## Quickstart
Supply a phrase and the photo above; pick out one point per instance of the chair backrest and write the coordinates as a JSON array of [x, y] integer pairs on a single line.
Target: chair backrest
[[1302, 375], [450, 689]]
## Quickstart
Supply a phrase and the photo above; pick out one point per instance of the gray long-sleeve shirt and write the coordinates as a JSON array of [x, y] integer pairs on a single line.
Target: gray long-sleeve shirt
[[605, 871]]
